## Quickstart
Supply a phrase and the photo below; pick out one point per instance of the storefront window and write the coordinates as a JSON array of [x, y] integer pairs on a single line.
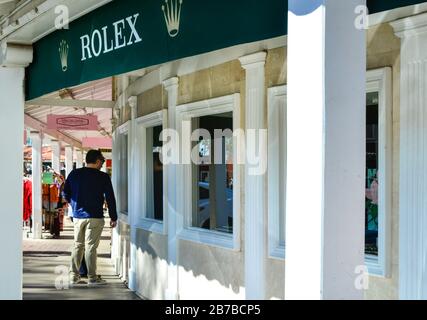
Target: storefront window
[[123, 178], [154, 174], [213, 182], [371, 184]]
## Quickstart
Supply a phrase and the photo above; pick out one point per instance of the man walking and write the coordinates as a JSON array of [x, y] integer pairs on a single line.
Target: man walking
[[86, 189]]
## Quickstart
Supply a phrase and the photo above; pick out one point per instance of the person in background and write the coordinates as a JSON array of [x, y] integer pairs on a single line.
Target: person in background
[[86, 189]]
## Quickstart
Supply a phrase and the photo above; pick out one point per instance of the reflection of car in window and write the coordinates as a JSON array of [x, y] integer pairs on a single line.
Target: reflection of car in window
[[224, 213], [203, 190]]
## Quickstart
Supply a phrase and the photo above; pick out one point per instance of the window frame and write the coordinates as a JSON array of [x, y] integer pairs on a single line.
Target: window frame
[[142, 124], [380, 80], [185, 230], [276, 250], [124, 130]]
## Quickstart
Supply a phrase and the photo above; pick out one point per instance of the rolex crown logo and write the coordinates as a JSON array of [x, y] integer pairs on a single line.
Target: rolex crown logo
[[63, 54], [172, 13]]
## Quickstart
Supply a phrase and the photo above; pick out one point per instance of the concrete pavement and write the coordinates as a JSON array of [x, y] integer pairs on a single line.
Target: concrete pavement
[[46, 264]]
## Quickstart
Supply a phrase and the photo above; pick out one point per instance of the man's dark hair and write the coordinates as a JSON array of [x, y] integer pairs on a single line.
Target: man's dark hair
[[93, 155]]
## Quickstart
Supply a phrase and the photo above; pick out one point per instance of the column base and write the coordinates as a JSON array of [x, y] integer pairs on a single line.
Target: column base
[[133, 281], [171, 294], [117, 264]]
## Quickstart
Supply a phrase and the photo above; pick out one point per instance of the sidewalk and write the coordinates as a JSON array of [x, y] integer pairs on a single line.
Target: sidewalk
[[46, 264]]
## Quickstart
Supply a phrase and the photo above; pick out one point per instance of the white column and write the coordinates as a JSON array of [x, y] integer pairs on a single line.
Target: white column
[[11, 137], [325, 150], [413, 158], [115, 241], [37, 169], [79, 159], [68, 160], [68, 169], [56, 155], [135, 172], [255, 184], [172, 293]]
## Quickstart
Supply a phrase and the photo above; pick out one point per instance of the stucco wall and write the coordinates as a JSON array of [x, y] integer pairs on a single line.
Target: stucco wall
[[276, 67], [152, 100], [220, 80], [384, 51], [152, 265], [122, 260], [206, 272]]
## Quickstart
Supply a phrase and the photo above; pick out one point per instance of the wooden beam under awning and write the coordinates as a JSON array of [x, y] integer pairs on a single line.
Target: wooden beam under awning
[[71, 103]]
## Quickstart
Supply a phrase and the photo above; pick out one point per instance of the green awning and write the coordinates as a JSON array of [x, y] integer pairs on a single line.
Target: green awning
[[128, 35]]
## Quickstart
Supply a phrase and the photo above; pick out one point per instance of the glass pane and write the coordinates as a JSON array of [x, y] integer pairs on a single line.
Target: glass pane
[[154, 174], [214, 181], [124, 175], [371, 184]]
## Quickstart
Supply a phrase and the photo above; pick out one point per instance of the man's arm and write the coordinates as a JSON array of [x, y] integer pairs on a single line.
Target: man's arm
[[111, 200]]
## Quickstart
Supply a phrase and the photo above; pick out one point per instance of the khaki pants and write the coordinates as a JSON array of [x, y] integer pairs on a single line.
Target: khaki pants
[[87, 234]]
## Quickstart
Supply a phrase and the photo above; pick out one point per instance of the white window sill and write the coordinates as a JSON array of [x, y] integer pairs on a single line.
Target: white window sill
[[208, 237], [374, 268], [277, 252], [151, 225]]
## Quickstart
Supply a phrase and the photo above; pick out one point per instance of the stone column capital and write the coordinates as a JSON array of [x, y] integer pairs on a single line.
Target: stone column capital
[[16, 55], [254, 60], [171, 83]]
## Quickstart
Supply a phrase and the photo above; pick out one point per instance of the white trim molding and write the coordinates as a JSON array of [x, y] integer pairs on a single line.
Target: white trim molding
[[230, 103], [276, 169], [142, 124], [410, 26], [379, 80], [397, 13], [123, 130]]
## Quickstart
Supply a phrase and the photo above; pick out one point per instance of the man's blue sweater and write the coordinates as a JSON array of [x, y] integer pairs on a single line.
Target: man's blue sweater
[[86, 189]]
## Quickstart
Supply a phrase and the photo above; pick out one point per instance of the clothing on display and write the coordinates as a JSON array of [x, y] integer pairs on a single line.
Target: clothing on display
[[28, 194], [53, 205]]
